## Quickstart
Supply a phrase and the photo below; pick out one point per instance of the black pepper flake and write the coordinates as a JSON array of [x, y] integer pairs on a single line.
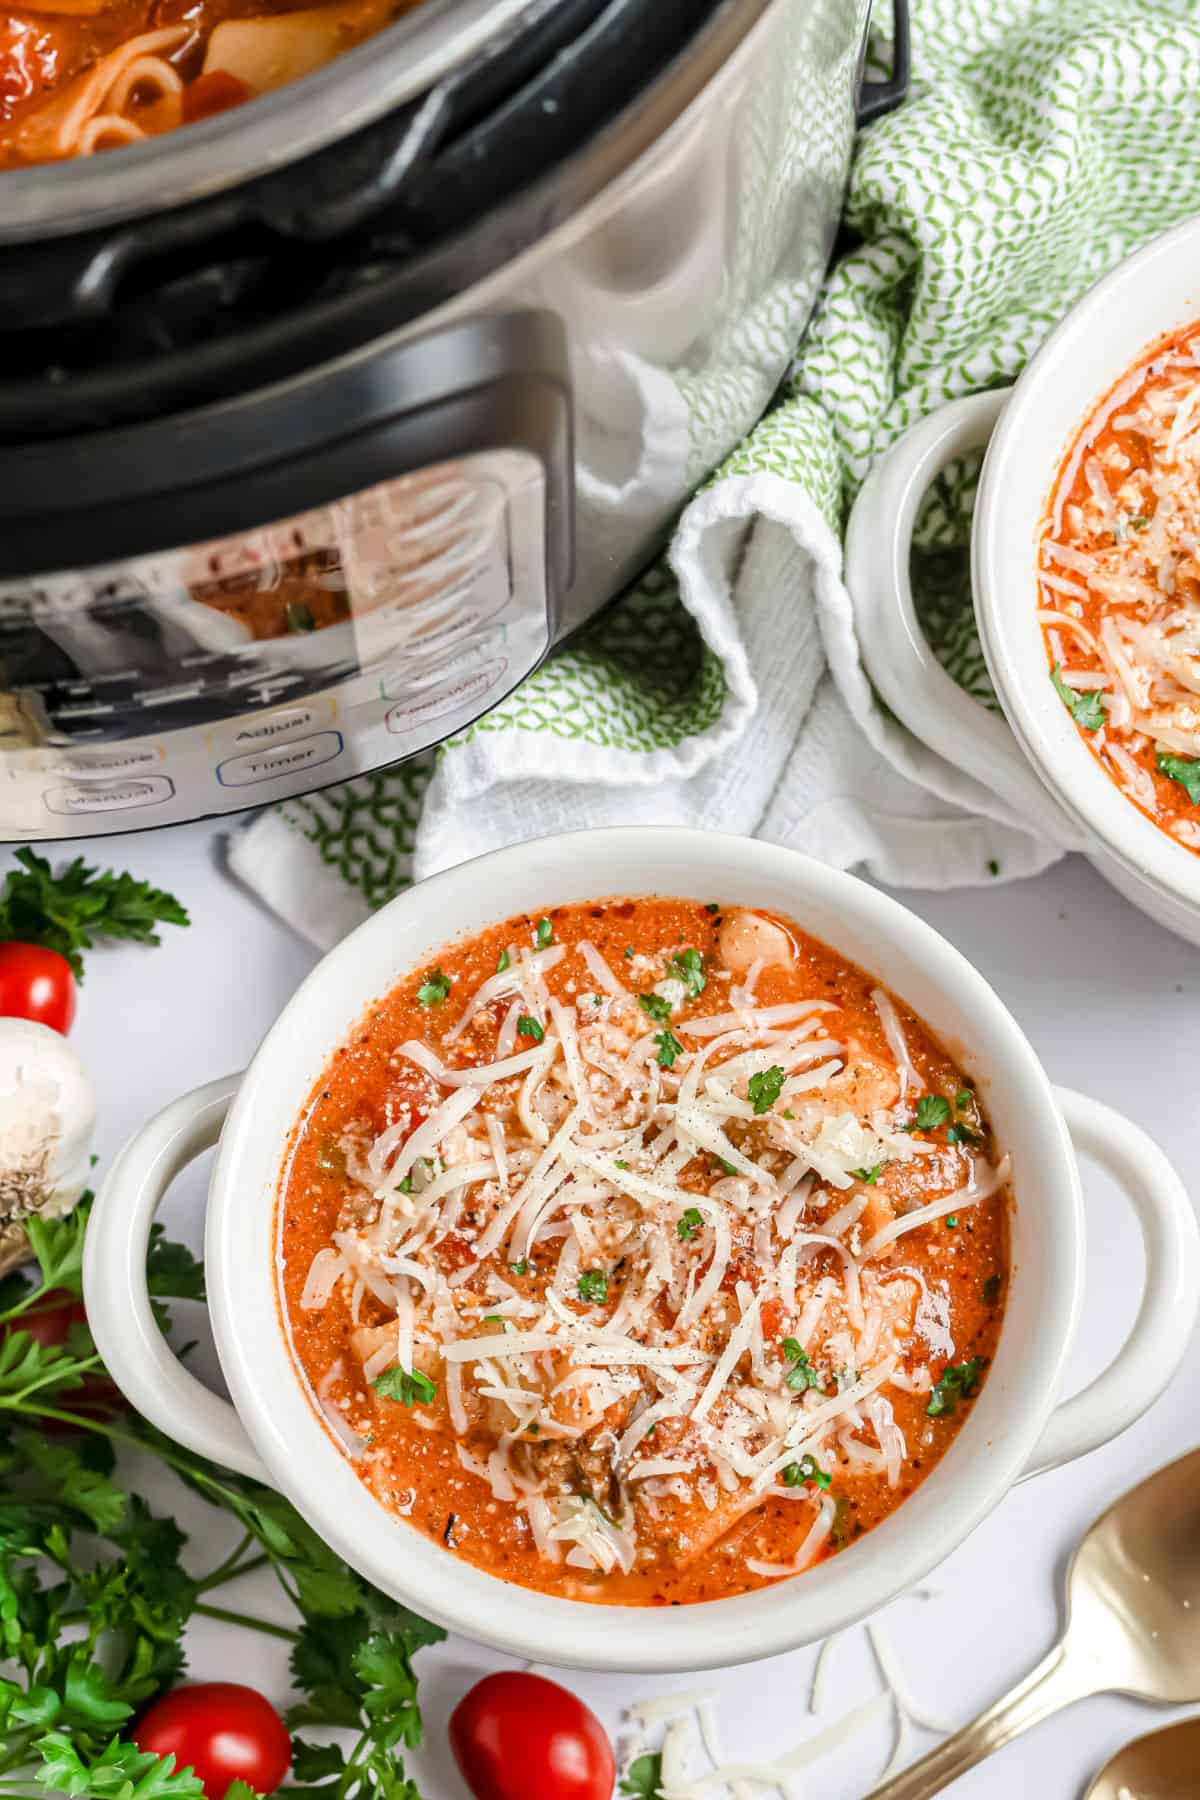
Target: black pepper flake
[[448, 1534]]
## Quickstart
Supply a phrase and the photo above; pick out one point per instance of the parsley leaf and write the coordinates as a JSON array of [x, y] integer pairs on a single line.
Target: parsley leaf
[[408, 1386], [1089, 710], [764, 1089], [434, 989], [544, 934], [688, 966], [502, 962], [959, 1381], [67, 912], [527, 1027], [593, 1287], [643, 1779], [690, 1221], [795, 1474], [656, 1007], [869, 1176], [932, 1110], [669, 1047], [801, 1375], [1183, 769]]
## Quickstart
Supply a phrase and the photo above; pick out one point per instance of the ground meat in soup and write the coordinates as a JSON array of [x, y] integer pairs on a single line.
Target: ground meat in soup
[[685, 1290]]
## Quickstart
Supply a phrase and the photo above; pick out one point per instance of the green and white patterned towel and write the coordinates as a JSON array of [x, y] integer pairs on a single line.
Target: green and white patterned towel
[[1043, 141]]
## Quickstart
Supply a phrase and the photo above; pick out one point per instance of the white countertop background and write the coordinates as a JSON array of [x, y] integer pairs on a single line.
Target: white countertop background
[[1109, 1001]]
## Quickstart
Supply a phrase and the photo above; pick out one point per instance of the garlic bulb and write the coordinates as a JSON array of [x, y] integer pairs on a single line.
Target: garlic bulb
[[47, 1116]]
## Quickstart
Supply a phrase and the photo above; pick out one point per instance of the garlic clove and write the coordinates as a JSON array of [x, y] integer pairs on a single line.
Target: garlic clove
[[47, 1118]]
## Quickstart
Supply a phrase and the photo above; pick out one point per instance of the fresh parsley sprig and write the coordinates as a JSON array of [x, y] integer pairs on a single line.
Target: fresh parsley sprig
[[95, 1595], [69, 911]]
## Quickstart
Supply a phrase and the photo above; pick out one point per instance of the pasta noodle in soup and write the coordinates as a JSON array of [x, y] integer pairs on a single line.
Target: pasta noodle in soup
[[1119, 586], [78, 76], [643, 1251]]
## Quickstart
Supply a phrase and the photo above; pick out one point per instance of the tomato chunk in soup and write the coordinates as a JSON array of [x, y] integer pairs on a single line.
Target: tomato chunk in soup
[[643, 1252]]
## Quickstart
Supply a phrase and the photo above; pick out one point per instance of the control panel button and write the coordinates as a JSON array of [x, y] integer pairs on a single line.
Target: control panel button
[[114, 796], [280, 759], [104, 765], [285, 724], [464, 693]]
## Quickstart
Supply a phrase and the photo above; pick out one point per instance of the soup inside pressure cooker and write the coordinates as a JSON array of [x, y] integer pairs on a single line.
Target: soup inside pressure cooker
[[1119, 586], [644, 1251], [77, 76]]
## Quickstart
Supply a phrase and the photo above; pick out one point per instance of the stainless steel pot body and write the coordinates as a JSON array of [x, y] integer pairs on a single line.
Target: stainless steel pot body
[[359, 560]]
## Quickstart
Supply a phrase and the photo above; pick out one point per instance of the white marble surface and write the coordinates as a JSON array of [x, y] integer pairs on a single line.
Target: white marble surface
[[1110, 1003]]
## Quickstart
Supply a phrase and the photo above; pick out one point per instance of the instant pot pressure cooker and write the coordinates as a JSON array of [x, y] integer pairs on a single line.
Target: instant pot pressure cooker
[[322, 420]]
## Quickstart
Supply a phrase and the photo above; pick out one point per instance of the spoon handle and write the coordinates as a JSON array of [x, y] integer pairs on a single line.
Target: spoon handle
[[1056, 1682]]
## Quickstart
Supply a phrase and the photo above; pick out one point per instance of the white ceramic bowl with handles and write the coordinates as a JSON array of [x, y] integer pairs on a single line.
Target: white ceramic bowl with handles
[[271, 1429], [1032, 759]]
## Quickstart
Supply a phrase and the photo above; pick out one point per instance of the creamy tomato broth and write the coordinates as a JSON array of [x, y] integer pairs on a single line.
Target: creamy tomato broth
[[643, 1251], [1119, 586]]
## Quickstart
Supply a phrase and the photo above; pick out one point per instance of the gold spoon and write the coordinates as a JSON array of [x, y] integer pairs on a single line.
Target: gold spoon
[[1133, 1627], [1163, 1766]]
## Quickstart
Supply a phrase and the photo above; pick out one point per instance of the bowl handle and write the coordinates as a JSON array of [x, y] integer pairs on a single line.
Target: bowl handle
[[971, 737], [137, 1355], [1158, 1340]]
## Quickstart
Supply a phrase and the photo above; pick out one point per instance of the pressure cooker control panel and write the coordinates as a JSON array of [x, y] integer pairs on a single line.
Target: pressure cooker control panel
[[239, 671]]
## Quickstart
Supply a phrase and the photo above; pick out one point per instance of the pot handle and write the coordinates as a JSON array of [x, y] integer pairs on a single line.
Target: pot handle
[[902, 666], [1158, 1340], [137, 1355], [878, 97]]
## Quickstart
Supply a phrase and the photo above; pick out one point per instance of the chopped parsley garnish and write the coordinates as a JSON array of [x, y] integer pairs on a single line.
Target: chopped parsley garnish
[[932, 1110], [520, 1267], [1183, 769], [964, 1100], [689, 1224], [642, 1780], [801, 1375], [870, 1176], [952, 1221], [958, 1134], [628, 953], [688, 967], [533, 1428], [593, 1287], [993, 867], [527, 1027], [991, 1289], [959, 1381], [655, 1007], [419, 1177], [408, 1386], [299, 617], [729, 1168], [712, 907], [669, 1047], [434, 989], [1089, 710], [797, 1473], [503, 962], [764, 1089], [620, 1163], [544, 934], [493, 1319], [1138, 522]]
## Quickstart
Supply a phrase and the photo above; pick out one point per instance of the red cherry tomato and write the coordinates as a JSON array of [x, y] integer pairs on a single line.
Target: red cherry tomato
[[36, 984], [521, 1737], [222, 1730]]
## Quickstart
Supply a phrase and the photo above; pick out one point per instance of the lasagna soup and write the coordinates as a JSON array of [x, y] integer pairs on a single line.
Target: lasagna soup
[[644, 1251], [1119, 579], [77, 76]]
